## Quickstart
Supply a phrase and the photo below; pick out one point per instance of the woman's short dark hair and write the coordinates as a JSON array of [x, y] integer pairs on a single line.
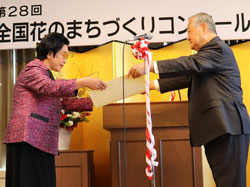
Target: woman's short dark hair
[[52, 42]]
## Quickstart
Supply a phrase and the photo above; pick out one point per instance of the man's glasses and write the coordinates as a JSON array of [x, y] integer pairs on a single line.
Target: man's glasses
[[64, 54]]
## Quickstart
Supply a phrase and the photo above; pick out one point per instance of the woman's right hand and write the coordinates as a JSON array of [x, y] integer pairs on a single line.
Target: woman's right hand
[[91, 82]]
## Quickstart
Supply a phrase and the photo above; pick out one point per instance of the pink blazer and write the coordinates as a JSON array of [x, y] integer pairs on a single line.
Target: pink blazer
[[37, 102]]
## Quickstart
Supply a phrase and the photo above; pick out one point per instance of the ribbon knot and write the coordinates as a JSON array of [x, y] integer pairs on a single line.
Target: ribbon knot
[[140, 48]]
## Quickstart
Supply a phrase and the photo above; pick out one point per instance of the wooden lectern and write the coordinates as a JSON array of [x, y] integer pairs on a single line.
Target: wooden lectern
[[75, 168], [180, 165]]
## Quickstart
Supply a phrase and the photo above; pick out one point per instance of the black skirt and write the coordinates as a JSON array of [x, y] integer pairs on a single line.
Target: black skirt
[[27, 166]]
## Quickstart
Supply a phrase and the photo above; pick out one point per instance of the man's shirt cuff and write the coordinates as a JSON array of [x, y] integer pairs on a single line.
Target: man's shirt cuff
[[156, 70], [157, 86]]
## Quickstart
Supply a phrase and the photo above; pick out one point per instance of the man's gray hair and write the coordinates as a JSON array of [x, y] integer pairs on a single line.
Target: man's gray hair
[[198, 19]]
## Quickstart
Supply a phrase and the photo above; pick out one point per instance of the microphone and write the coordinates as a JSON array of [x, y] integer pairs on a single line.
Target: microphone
[[148, 36]]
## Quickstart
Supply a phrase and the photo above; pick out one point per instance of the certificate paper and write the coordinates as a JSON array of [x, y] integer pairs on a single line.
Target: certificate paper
[[114, 91]]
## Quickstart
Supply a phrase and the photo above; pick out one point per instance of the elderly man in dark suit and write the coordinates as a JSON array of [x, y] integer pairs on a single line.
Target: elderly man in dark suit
[[32, 131], [218, 119]]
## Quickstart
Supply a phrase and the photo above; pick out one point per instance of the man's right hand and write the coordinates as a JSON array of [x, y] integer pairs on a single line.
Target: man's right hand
[[136, 70]]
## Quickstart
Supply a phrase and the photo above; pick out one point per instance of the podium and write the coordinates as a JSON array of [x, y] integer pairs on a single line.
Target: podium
[[75, 168], [179, 163]]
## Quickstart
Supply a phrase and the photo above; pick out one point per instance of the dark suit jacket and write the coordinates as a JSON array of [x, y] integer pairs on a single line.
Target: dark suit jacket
[[215, 105]]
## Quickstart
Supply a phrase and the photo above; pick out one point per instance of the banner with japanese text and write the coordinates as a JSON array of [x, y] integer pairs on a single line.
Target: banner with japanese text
[[25, 22]]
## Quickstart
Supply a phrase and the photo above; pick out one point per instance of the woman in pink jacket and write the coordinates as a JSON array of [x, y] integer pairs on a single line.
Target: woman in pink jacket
[[32, 131]]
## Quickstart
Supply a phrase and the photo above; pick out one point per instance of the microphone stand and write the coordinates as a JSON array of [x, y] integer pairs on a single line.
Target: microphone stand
[[153, 179], [148, 36]]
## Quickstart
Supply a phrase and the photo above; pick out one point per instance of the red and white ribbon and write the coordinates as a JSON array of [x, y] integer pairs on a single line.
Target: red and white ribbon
[[141, 51], [172, 96]]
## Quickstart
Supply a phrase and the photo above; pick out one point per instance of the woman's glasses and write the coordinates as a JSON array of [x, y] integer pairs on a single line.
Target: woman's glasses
[[64, 54]]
